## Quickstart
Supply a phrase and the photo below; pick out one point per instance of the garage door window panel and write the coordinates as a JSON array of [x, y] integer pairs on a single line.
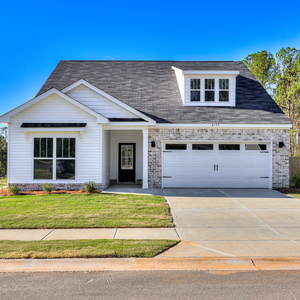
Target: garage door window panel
[[176, 146], [233, 147], [203, 147], [261, 147]]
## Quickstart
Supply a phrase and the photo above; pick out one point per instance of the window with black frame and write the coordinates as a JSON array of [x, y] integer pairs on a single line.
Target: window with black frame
[[43, 158], [65, 158]]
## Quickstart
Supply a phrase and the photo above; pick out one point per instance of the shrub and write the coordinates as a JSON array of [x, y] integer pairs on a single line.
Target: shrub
[[296, 178], [13, 189], [89, 186], [48, 188]]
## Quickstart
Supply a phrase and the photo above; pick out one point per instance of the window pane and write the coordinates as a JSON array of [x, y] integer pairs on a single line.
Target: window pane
[[176, 147], [223, 96], [255, 147], [49, 147], [209, 96], [195, 84], [195, 96], [65, 169], [66, 147], [58, 147], [209, 84], [43, 169], [72, 148], [203, 147], [224, 84], [43, 147], [36, 147], [229, 147]]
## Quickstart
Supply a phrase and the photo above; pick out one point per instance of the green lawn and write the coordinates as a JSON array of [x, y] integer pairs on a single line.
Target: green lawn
[[83, 248], [295, 195], [84, 211]]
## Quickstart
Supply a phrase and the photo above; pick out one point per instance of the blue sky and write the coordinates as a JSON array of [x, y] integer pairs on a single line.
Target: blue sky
[[35, 35]]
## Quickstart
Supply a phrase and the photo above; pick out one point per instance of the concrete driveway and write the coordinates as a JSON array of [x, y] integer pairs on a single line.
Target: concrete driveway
[[234, 222]]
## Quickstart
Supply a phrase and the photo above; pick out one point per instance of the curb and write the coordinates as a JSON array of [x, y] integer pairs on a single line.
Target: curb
[[147, 264]]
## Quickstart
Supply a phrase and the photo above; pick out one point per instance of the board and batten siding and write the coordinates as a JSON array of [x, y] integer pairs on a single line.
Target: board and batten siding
[[98, 103], [126, 136], [54, 109]]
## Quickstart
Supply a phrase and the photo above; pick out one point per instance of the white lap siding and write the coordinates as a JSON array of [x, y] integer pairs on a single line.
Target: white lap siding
[[99, 103], [126, 136], [54, 109]]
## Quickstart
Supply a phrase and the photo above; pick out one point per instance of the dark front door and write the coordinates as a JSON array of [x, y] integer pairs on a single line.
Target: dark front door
[[126, 162]]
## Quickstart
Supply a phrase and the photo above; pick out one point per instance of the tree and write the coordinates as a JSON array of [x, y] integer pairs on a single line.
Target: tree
[[287, 90], [3, 151], [261, 65]]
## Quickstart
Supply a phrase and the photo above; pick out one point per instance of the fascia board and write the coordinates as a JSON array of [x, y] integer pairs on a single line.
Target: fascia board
[[111, 98], [206, 72], [235, 126]]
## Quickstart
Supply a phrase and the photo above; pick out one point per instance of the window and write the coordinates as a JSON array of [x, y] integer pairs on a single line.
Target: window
[[63, 160], [223, 90], [195, 89], [65, 168], [127, 157], [203, 147], [175, 146], [256, 147], [213, 91], [209, 90], [43, 158], [229, 147]]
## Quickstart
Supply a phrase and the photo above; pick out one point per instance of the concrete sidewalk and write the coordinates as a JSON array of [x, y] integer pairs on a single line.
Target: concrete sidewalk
[[89, 233]]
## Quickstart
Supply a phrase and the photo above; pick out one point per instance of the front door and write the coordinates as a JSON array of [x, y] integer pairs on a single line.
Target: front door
[[127, 162]]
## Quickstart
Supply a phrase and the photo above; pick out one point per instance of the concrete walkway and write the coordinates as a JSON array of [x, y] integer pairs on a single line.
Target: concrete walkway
[[98, 233], [234, 223]]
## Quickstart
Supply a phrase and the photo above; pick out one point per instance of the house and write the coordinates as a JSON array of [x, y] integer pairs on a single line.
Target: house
[[158, 123]]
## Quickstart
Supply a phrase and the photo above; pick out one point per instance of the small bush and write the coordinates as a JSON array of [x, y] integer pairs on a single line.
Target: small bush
[[13, 189], [296, 178], [89, 186], [48, 188]]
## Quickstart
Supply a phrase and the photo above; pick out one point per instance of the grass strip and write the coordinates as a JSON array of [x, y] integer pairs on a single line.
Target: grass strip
[[83, 248], [84, 211]]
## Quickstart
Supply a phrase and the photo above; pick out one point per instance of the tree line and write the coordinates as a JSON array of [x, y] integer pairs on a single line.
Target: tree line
[[3, 151], [279, 74]]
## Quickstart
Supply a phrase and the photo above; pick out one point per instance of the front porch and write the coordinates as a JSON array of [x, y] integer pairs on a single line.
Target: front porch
[[124, 156]]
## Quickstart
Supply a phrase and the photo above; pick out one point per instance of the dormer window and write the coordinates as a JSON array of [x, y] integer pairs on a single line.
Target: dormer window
[[195, 89], [207, 88], [223, 90]]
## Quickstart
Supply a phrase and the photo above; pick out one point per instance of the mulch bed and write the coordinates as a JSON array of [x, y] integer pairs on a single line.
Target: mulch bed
[[6, 193], [290, 190]]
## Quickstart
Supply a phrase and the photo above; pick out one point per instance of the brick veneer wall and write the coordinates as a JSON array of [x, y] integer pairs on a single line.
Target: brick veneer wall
[[280, 156], [59, 186]]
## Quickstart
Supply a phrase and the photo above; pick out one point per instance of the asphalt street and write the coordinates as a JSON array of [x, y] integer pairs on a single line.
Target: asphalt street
[[151, 285]]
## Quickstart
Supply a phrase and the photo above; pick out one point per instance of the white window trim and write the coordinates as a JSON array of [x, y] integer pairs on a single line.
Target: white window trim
[[202, 102], [54, 158]]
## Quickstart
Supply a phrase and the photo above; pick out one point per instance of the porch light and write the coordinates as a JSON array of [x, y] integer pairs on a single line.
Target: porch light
[[281, 144], [153, 144]]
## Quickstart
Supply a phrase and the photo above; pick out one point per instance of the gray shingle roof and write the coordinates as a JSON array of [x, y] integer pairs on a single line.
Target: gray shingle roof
[[151, 87]]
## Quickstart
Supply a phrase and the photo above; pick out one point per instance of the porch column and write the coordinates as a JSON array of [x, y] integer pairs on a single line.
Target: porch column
[[145, 158]]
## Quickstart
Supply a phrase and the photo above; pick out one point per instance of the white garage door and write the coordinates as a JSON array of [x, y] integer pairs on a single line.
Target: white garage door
[[216, 165]]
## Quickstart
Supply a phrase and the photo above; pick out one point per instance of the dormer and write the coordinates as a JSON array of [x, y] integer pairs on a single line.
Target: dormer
[[206, 88]]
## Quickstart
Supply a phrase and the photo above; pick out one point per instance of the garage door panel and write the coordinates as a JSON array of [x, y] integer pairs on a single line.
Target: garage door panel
[[216, 168]]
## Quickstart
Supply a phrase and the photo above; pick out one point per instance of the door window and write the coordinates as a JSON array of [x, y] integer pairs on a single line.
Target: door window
[[127, 157]]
